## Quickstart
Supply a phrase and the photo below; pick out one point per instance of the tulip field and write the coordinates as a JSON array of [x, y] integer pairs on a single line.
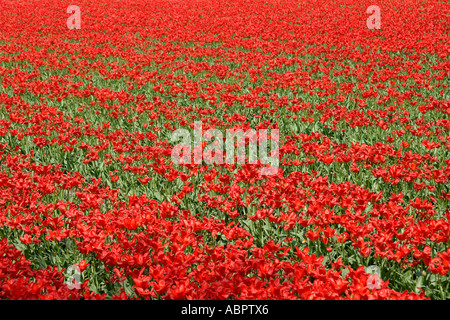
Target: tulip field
[[92, 205]]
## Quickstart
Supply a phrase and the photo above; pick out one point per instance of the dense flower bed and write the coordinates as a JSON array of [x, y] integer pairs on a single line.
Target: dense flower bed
[[87, 178]]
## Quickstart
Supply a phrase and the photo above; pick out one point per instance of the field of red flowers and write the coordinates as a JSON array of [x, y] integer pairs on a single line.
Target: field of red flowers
[[87, 183]]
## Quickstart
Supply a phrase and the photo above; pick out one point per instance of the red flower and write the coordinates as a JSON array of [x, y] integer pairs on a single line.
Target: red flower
[[82, 264]]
